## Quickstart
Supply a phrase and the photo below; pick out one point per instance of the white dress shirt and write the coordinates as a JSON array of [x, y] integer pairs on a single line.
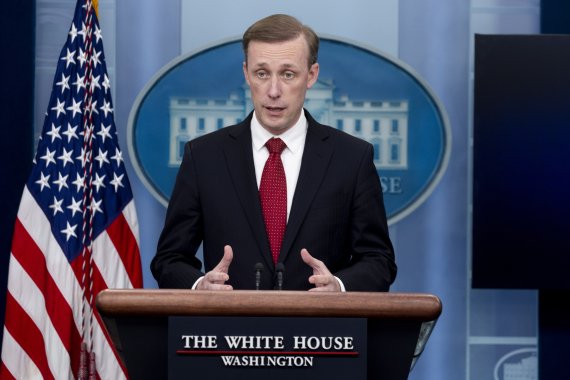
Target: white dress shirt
[[291, 156]]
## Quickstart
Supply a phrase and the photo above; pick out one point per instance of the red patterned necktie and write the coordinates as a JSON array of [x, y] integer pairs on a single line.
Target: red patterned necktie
[[273, 195]]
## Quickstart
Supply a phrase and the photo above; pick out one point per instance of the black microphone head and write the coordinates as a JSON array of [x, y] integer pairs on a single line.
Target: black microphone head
[[279, 269], [259, 267]]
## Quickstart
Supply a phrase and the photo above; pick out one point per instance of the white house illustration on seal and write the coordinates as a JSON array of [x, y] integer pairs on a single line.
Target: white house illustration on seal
[[383, 123]]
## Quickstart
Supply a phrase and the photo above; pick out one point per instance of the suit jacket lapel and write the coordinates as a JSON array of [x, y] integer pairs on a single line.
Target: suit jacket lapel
[[239, 158], [316, 158]]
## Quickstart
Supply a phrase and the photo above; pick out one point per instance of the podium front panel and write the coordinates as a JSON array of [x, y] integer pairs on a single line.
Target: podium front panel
[[138, 323]]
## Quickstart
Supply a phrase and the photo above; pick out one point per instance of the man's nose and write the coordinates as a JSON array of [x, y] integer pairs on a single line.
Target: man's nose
[[274, 88]]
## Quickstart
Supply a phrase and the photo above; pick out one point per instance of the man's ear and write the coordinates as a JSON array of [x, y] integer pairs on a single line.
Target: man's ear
[[313, 75]]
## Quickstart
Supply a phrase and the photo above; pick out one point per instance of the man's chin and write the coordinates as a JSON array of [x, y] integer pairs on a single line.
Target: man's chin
[[274, 124], [275, 128]]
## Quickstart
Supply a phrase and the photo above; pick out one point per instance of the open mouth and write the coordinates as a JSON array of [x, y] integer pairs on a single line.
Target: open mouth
[[274, 109]]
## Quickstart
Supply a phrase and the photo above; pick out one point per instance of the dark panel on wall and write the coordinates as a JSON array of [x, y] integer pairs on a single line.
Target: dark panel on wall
[[555, 16], [553, 347], [521, 162], [17, 33]]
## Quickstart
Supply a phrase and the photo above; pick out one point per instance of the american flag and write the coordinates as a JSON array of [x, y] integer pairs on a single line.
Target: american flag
[[76, 232]]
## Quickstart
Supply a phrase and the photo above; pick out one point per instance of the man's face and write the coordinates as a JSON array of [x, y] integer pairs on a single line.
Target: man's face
[[278, 75]]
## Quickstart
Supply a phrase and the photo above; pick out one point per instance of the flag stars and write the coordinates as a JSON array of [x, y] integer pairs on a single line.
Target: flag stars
[[79, 138], [102, 158], [117, 181], [79, 82], [118, 157], [64, 83], [95, 83], [105, 132], [96, 207], [97, 33], [43, 181], [95, 58], [75, 107], [75, 206], [70, 132], [73, 32], [61, 181], [78, 182], [82, 157], [83, 32], [91, 108], [82, 57], [68, 58], [98, 181], [66, 157], [106, 108], [106, 83], [69, 231], [59, 108], [48, 157], [56, 206], [54, 132]]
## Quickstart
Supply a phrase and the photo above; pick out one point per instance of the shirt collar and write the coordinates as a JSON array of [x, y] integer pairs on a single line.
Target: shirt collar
[[294, 137]]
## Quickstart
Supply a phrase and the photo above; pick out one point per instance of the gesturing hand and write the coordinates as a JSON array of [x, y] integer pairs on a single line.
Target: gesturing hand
[[322, 278], [217, 277]]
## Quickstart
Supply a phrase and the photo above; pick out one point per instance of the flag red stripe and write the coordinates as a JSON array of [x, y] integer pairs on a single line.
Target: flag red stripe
[[124, 241], [27, 334], [29, 255], [97, 281], [4, 373]]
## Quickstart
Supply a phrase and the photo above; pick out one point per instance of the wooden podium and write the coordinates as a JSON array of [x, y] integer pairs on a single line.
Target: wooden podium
[[398, 325]]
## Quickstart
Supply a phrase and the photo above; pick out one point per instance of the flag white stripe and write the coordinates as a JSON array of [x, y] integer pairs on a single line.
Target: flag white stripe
[[17, 361], [31, 299], [109, 262], [130, 214]]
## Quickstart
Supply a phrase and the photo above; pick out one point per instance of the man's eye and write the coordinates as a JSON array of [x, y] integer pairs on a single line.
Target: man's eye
[[288, 75], [261, 74]]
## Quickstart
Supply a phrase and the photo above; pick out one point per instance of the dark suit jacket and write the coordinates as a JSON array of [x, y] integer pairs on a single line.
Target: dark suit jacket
[[337, 214]]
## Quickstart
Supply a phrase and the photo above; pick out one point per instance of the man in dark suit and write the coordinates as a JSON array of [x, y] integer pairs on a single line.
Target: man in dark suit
[[314, 209]]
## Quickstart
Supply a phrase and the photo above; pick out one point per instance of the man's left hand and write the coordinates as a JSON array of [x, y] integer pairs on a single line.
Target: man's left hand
[[322, 278]]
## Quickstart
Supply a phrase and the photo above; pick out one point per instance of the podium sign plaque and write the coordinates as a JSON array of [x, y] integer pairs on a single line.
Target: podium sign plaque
[[266, 348]]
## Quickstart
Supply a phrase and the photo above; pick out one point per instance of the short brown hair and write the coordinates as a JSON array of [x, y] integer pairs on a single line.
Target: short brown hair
[[281, 28]]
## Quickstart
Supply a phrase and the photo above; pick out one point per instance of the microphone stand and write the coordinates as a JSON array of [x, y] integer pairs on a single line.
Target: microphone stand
[[258, 270], [279, 269]]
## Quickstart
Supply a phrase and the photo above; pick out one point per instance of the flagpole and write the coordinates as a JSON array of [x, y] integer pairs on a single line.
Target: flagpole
[[88, 367]]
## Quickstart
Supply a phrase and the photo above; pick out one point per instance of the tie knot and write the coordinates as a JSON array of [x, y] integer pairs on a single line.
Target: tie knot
[[275, 145]]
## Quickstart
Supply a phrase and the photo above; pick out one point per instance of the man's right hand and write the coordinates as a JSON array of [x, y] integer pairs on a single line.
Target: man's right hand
[[217, 277]]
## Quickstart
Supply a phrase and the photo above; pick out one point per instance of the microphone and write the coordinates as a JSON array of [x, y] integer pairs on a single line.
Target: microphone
[[258, 270], [279, 269]]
